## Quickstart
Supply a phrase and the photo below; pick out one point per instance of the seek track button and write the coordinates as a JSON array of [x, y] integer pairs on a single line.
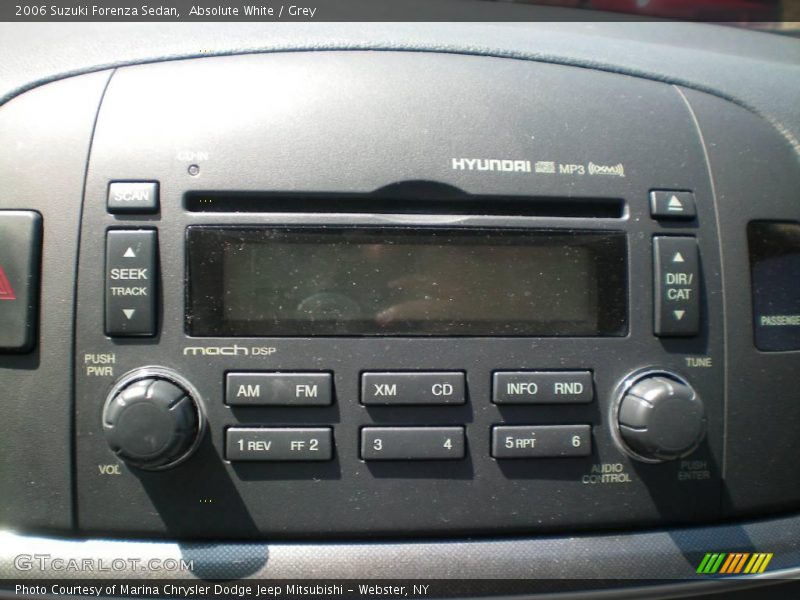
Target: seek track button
[[131, 276]]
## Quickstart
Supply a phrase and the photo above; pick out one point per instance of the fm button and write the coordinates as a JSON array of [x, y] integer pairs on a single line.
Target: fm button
[[131, 276]]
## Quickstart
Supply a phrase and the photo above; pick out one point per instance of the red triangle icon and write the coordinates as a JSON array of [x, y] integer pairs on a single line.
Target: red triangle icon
[[6, 291]]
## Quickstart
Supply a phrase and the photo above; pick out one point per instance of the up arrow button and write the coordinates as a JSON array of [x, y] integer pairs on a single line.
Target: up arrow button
[[131, 278], [676, 267]]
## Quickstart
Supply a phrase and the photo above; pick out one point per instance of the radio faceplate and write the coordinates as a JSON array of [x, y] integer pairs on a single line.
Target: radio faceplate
[[405, 435]]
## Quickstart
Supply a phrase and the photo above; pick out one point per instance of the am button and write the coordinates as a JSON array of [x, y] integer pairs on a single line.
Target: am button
[[279, 389]]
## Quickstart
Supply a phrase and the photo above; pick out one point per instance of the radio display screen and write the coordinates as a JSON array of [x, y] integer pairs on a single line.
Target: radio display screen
[[350, 281]]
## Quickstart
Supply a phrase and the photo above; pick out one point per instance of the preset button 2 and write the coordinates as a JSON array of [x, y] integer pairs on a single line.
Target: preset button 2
[[279, 443], [413, 388]]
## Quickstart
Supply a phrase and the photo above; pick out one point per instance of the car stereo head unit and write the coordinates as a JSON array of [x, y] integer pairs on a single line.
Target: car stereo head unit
[[298, 328]]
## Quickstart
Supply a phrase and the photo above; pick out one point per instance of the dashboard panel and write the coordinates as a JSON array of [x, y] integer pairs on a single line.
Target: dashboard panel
[[294, 271]]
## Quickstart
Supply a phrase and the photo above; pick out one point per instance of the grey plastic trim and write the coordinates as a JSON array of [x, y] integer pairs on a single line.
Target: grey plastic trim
[[756, 70], [667, 554]]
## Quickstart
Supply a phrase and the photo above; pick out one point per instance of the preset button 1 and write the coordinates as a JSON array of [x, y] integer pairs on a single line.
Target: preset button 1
[[279, 444]]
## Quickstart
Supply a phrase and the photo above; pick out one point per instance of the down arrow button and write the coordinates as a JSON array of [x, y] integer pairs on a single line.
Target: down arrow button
[[677, 286], [131, 278]]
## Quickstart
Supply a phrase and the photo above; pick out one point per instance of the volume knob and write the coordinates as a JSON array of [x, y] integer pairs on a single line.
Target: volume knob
[[661, 418], [151, 420]]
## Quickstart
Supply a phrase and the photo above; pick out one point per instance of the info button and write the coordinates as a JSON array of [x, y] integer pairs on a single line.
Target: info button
[[542, 387]]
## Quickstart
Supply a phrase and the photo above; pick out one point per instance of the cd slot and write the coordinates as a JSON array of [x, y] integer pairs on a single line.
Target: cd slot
[[382, 203]]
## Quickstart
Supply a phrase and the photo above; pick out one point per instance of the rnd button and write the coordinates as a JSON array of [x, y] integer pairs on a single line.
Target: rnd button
[[542, 387], [387, 388]]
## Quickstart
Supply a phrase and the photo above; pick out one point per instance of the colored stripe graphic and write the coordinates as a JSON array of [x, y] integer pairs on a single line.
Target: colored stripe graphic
[[758, 563], [733, 563], [711, 563], [729, 563], [717, 563], [704, 563], [742, 560]]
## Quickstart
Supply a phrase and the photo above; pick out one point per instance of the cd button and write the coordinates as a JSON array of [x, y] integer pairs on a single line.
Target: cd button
[[413, 388], [542, 387], [279, 389]]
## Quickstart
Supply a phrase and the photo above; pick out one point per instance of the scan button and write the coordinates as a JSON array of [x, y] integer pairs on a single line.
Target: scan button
[[133, 197]]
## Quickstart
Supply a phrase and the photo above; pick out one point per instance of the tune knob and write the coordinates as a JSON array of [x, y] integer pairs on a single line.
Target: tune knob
[[152, 419], [660, 417]]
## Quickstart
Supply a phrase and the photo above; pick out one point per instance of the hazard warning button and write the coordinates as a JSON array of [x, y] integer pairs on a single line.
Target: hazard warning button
[[20, 252]]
